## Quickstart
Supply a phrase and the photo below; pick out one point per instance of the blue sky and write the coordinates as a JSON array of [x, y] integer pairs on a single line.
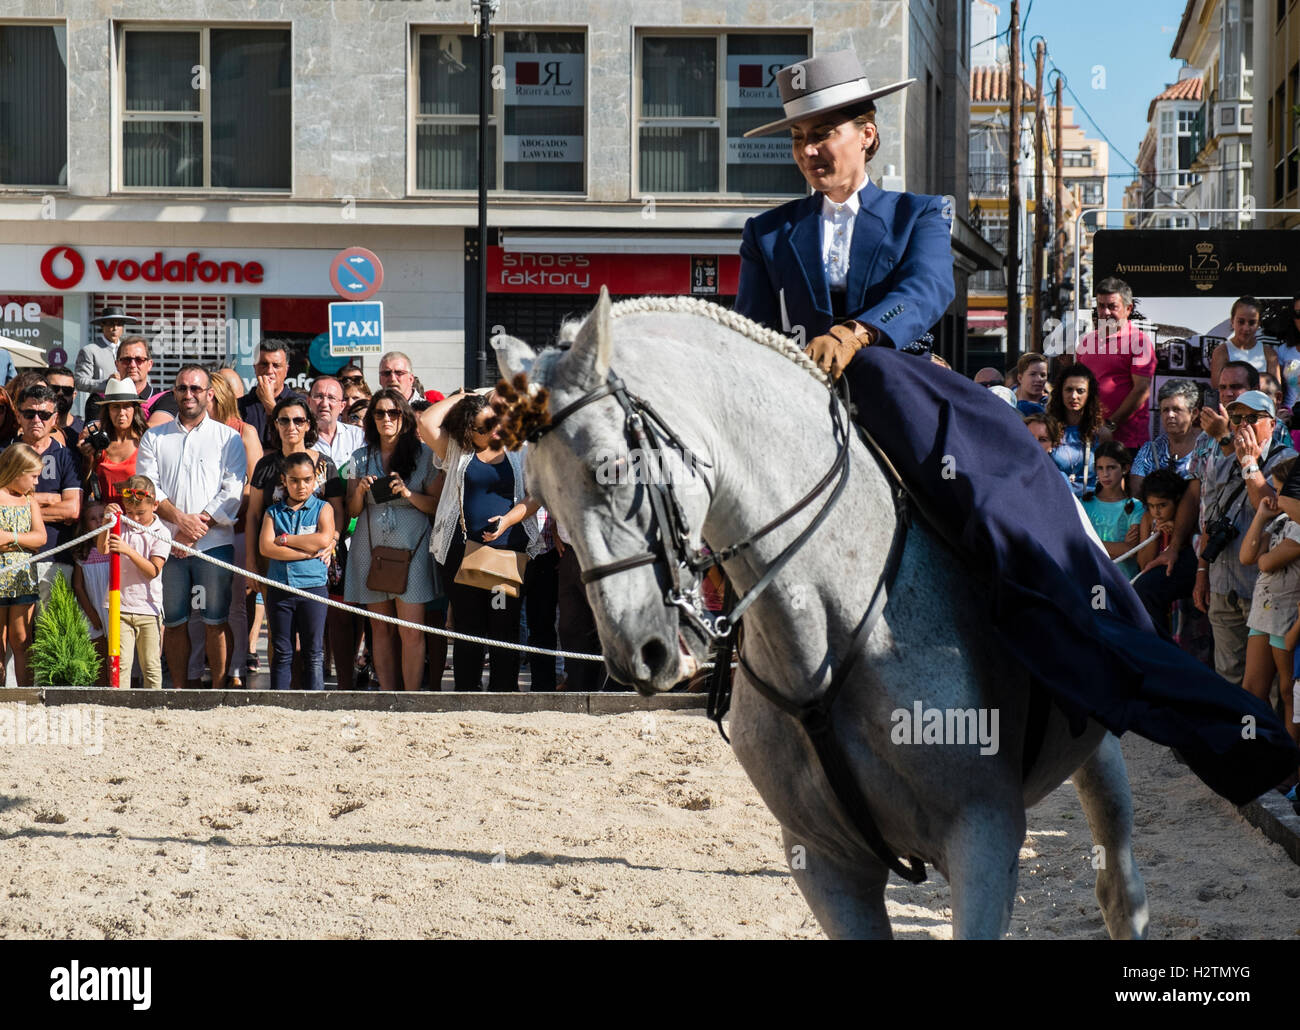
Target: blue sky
[[1129, 39]]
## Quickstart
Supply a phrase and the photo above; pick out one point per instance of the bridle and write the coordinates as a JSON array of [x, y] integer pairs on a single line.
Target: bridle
[[644, 429]]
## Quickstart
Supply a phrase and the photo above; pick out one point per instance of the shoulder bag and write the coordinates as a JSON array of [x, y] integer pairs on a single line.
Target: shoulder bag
[[390, 567], [490, 568]]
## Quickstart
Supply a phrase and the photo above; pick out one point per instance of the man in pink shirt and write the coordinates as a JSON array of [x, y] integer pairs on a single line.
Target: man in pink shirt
[[1123, 358]]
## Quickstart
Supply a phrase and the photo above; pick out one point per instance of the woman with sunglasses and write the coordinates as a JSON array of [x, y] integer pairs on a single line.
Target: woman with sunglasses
[[295, 429], [392, 482], [485, 500]]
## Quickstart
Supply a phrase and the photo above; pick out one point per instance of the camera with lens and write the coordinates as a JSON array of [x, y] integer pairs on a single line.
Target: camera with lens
[[97, 438], [1218, 535]]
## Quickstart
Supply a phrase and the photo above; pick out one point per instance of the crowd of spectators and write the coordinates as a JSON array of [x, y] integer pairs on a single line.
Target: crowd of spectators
[[310, 492], [1204, 516]]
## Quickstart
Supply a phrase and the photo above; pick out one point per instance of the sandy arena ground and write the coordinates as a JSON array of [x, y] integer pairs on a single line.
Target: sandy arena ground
[[261, 822]]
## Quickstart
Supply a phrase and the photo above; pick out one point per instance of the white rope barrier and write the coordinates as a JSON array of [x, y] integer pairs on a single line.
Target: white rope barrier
[[366, 613], [45, 555], [1129, 554]]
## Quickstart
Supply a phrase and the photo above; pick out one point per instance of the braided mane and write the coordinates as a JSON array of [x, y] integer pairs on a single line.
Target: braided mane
[[522, 407]]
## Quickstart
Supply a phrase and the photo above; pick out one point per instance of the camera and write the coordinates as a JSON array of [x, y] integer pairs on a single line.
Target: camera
[[1218, 535], [382, 490], [97, 438]]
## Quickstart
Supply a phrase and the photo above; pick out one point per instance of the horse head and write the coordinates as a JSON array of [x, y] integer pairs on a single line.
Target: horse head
[[597, 484]]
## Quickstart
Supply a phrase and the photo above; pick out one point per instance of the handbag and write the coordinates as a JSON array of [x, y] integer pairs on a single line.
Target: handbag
[[490, 568], [390, 567]]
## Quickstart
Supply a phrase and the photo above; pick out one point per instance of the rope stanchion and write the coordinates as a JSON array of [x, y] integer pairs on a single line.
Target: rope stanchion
[[115, 611]]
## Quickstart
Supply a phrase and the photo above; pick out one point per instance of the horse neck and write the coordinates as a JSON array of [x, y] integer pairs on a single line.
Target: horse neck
[[765, 425]]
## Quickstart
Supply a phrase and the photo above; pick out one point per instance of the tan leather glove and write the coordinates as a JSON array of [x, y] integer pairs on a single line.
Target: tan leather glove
[[834, 350]]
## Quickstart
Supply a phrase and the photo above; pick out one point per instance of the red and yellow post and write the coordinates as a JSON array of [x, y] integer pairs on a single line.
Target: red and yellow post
[[115, 610]]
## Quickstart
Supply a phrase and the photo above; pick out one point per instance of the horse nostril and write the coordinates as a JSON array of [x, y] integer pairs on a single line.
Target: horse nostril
[[654, 654]]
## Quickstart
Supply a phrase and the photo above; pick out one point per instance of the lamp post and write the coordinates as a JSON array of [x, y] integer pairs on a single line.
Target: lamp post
[[483, 12]]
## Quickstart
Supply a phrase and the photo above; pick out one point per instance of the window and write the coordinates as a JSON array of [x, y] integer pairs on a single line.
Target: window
[[536, 142], [33, 105], [206, 108], [1091, 191], [699, 95], [1076, 159], [993, 227]]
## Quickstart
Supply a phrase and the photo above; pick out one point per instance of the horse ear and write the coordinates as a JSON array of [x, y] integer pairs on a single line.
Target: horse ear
[[588, 360], [513, 355]]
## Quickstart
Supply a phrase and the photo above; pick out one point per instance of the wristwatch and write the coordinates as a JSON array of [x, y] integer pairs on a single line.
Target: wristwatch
[[1225, 440]]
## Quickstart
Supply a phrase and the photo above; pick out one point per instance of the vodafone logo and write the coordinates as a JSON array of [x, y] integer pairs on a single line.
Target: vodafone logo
[[153, 269], [70, 259]]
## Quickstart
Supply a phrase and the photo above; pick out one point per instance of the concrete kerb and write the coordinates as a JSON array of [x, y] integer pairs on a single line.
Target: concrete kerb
[[360, 700], [1274, 817]]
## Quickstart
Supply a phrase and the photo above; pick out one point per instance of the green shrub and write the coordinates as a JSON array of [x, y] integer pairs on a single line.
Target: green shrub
[[62, 654]]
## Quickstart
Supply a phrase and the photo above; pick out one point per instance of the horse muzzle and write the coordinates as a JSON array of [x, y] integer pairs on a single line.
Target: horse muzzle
[[658, 667]]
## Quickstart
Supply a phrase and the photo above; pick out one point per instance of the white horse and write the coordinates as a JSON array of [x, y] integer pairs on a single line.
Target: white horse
[[754, 413]]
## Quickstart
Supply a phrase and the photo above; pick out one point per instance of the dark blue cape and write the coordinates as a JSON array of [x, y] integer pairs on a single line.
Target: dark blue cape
[[1013, 518]]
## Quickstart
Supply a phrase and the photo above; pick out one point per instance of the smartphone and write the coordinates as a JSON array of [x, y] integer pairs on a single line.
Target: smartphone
[[381, 490], [1211, 399]]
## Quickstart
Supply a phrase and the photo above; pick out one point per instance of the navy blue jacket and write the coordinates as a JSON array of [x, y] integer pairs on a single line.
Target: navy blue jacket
[[900, 266]]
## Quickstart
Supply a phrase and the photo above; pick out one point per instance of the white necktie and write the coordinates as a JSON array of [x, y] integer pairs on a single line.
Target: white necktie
[[837, 270]]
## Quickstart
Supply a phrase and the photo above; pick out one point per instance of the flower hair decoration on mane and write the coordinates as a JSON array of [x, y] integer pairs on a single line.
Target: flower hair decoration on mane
[[521, 408]]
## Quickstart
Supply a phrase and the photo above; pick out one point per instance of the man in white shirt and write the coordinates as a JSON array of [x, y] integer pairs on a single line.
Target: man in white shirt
[[198, 466], [336, 439]]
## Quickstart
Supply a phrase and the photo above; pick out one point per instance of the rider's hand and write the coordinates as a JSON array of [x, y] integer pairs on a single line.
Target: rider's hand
[[835, 349]]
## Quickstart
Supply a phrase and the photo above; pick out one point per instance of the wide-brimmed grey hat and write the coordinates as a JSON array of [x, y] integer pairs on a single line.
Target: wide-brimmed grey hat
[[116, 315], [821, 84]]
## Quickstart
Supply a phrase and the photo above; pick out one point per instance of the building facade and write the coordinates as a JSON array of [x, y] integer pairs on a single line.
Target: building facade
[[1217, 37], [204, 172], [1276, 137], [1169, 169]]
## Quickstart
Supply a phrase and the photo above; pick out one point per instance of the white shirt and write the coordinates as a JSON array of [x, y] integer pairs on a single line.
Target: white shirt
[[347, 440], [837, 236], [200, 470]]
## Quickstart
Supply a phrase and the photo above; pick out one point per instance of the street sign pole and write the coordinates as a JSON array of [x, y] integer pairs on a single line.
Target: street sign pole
[[484, 9]]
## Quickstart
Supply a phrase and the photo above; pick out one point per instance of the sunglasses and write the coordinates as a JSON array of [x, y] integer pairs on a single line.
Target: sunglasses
[[388, 413], [131, 493], [186, 388], [394, 372], [133, 360], [353, 380], [1250, 419], [64, 391], [33, 414], [285, 420]]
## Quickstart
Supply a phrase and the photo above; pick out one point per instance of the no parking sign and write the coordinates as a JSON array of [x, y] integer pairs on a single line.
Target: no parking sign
[[356, 274]]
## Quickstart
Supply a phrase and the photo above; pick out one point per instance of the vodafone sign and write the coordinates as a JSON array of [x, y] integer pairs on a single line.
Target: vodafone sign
[[153, 270], [168, 271]]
